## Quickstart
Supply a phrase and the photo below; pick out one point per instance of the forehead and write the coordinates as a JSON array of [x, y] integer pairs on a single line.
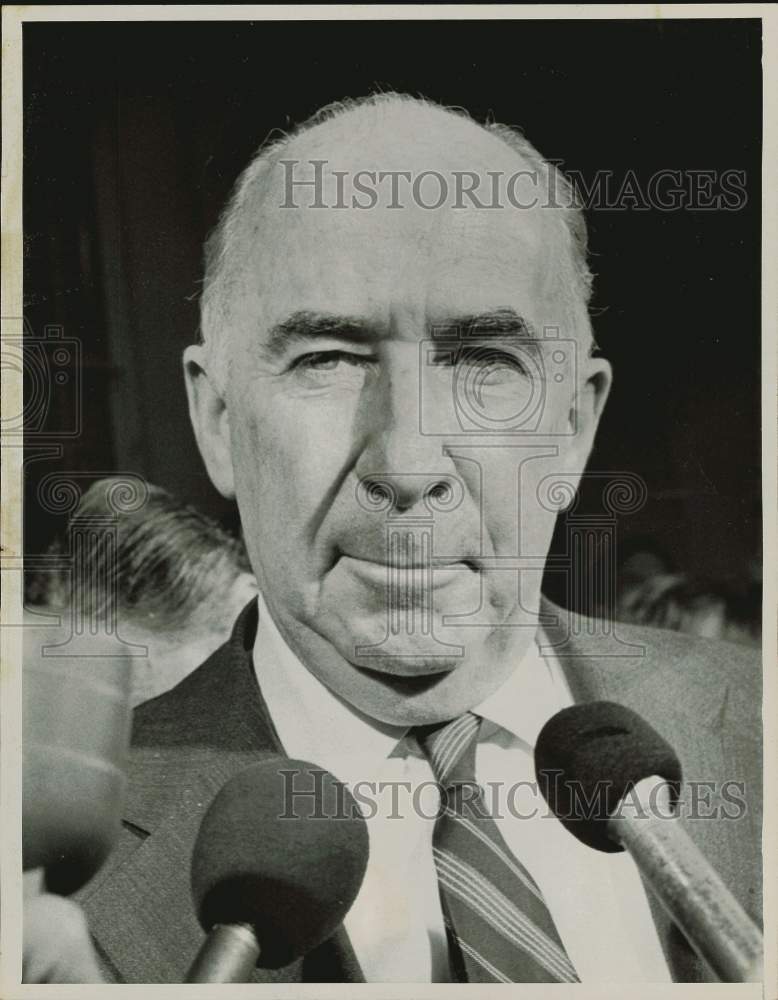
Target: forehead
[[452, 257]]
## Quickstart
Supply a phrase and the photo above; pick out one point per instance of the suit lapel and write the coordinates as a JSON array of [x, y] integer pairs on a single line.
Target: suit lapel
[[153, 932], [187, 744]]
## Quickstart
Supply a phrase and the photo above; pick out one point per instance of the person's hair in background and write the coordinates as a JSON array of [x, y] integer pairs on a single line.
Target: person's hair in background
[[675, 601], [641, 557], [177, 580]]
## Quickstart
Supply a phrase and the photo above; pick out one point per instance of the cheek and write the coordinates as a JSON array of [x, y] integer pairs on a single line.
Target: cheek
[[517, 514], [285, 463], [266, 463]]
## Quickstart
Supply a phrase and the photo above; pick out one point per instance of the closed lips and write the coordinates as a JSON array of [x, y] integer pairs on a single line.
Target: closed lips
[[413, 565]]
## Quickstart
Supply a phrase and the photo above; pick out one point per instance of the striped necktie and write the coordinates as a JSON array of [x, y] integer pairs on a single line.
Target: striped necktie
[[499, 927]]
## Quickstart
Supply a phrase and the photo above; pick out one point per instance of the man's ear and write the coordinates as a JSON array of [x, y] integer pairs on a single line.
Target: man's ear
[[591, 394], [210, 420]]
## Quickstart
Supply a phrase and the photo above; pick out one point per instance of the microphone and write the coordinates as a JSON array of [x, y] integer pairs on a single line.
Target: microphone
[[76, 722], [276, 867], [589, 759]]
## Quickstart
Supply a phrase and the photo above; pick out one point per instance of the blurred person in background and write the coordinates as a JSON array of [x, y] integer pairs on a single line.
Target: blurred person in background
[[173, 579], [650, 590]]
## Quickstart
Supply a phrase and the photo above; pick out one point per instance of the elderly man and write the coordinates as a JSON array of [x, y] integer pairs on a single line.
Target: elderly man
[[396, 362]]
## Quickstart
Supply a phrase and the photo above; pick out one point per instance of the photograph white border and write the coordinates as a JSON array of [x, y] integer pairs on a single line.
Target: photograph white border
[[13, 18]]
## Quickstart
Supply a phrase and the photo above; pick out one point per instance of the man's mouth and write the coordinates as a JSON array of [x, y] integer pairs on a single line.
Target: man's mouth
[[392, 568]]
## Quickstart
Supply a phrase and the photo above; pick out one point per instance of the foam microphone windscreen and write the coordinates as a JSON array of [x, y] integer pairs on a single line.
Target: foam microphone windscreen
[[589, 756], [282, 847]]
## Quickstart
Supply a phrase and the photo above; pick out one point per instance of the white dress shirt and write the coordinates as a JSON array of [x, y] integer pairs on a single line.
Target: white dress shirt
[[597, 900]]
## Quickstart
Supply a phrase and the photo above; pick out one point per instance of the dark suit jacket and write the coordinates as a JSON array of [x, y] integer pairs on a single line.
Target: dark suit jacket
[[704, 697]]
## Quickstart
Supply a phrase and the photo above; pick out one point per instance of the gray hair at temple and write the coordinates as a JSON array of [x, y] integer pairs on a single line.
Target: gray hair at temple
[[222, 249]]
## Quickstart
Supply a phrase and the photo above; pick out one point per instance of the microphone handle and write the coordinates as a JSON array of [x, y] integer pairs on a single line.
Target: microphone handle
[[228, 955], [715, 924]]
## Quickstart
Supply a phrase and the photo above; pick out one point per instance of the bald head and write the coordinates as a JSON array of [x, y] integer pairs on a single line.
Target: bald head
[[404, 174]]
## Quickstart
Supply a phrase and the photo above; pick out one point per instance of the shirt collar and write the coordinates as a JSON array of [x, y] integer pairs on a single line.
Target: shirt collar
[[316, 725], [312, 722], [527, 699]]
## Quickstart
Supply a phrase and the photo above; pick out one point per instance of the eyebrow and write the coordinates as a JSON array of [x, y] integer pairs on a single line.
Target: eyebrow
[[493, 323], [307, 325]]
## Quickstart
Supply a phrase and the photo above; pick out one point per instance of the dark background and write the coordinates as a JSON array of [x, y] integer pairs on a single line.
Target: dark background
[[134, 134]]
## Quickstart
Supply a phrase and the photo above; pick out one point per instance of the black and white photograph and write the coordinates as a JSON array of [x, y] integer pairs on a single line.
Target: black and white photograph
[[387, 496]]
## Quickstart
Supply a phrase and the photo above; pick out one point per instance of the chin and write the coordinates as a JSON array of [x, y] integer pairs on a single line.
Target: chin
[[368, 642], [394, 701], [408, 690]]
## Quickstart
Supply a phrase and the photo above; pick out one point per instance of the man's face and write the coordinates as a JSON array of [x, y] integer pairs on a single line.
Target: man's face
[[392, 413]]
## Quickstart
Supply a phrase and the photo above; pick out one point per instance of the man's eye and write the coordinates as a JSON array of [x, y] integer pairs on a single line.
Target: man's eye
[[331, 362]]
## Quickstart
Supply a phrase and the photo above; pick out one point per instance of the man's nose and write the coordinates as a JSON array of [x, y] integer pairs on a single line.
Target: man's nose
[[400, 466]]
